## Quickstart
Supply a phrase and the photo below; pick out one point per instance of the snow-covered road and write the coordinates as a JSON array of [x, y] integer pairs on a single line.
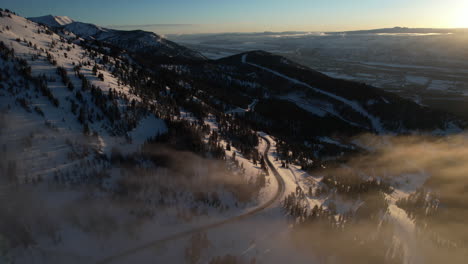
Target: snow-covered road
[[274, 200]]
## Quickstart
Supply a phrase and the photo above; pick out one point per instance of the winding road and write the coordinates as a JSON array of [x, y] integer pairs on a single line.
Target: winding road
[[275, 198]]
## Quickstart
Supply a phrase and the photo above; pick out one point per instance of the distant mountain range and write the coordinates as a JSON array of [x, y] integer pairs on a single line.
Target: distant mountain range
[[404, 30], [137, 41], [394, 30]]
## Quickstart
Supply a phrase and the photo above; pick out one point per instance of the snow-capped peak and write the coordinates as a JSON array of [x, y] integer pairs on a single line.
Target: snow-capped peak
[[52, 21]]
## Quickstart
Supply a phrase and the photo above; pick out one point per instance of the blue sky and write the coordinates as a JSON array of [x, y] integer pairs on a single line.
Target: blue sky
[[197, 16]]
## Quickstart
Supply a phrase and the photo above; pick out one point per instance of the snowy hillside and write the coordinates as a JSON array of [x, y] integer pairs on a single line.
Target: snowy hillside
[[77, 125], [66, 66]]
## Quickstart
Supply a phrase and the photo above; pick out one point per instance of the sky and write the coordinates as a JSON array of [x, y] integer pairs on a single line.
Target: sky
[[215, 16]]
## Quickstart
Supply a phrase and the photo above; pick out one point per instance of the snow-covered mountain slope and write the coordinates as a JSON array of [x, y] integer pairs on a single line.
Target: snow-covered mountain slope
[[67, 92], [354, 105], [53, 21], [137, 41], [84, 131], [52, 83], [85, 30]]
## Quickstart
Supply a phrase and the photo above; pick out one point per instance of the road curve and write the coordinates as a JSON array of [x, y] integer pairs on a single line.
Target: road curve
[[278, 195]]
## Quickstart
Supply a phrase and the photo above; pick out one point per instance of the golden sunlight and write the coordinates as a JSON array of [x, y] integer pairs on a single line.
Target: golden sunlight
[[462, 22], [461, 17]]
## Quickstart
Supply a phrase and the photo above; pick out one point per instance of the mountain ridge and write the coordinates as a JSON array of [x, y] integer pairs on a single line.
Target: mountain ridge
[[52, 21], [138, 41]]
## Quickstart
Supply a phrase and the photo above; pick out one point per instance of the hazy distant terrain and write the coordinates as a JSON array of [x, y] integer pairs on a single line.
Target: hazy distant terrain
[[430, 66]]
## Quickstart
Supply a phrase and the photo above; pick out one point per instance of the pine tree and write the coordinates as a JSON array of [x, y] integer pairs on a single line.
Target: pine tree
[[86, 129]]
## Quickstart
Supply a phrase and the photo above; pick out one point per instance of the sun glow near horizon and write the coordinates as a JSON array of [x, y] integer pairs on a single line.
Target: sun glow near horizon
[[461, 16], [462, 21], [210, 16]]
